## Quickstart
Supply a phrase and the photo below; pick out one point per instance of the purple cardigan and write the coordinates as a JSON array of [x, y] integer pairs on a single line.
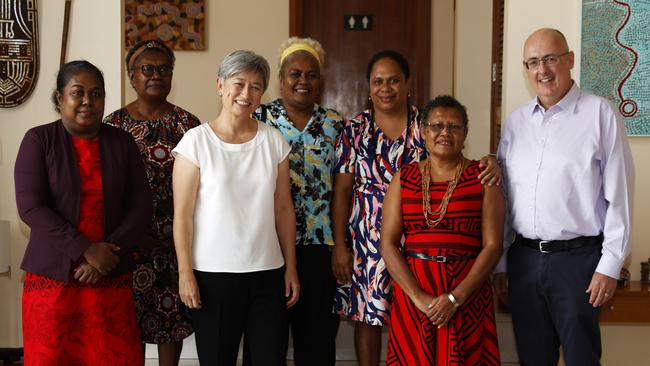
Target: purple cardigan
[[48, 193]]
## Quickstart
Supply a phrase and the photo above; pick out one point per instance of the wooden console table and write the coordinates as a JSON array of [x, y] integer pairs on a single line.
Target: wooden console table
[[630, 304]]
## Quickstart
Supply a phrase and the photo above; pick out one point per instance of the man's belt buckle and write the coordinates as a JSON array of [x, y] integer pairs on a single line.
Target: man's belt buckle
[[440, 259], [541, 248]]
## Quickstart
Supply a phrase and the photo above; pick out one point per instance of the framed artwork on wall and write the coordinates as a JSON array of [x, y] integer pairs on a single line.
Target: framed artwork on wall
[[178, 23], [616, 58]]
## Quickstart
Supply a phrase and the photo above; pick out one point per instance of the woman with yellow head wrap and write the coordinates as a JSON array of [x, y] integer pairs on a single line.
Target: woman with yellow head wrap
[[312, 131]]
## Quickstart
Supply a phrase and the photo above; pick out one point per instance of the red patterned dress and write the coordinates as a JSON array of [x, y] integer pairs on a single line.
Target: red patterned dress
[[161, 315], [74, 323], [470, 337]]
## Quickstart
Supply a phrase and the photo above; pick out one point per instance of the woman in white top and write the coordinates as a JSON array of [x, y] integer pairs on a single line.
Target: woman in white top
[[234, 223]]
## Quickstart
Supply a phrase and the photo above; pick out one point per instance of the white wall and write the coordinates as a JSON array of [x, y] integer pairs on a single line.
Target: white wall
[[622, 345], [472, 71], [96, 35], [442, 47], [231, 25]]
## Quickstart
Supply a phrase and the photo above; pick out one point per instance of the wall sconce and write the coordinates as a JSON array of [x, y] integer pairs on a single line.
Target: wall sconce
[[5, 249]]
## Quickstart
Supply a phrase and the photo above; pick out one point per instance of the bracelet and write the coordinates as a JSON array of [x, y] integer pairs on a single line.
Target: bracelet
[[453, 300]]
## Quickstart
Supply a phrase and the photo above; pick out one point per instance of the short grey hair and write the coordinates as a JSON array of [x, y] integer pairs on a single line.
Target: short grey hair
[[243, 61]]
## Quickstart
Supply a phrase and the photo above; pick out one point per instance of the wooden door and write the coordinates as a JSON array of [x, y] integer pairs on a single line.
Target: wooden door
[[498, 13], [404, 26]]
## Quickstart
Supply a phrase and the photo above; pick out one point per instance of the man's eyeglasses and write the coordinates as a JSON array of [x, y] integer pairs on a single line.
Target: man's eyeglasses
[[548, 60], [437, 127], [149, 70]]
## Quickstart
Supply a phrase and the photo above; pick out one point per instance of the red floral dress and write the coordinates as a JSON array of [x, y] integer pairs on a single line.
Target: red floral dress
[[75, 323], [470, 337]]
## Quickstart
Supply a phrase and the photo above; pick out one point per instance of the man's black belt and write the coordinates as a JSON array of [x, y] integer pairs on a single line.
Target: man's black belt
[[550, 246], [438, 258]]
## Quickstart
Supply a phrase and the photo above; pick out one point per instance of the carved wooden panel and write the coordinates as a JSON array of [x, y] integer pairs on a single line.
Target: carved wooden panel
[[19, 58]]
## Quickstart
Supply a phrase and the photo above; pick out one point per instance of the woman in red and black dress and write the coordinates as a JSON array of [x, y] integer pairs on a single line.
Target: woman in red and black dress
[[442, 312], [80, 186]]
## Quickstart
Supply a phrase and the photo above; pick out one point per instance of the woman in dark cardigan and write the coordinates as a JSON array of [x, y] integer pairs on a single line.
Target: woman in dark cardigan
[[80, 186]]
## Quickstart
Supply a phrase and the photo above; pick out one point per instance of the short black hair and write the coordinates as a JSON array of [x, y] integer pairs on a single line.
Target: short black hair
[[160, 47], [445, 101], [68, 71], [393, 55]]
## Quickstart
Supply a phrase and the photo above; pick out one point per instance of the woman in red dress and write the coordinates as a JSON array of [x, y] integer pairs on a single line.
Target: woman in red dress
[[442, 312], [80, 186]]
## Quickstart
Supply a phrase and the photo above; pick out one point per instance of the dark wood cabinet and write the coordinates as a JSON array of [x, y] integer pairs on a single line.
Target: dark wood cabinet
[[630, 304]]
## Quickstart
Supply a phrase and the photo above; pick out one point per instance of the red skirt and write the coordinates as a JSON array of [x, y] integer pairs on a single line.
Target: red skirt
[[469, 339], [78, 324]]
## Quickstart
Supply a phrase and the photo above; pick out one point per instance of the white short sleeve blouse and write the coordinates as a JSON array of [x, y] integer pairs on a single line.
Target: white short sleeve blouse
[[234, 218]]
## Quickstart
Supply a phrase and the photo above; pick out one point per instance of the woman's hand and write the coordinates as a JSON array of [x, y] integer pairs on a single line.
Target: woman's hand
[[342, 264], [85, 273], [491, 171], [441, 310], [188, 290], [101, 256], [291, 286], [422, 301]]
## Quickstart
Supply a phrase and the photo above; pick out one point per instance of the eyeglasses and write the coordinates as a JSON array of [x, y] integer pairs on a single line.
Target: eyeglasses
[[149, 70], [437, 127], [548, 60]]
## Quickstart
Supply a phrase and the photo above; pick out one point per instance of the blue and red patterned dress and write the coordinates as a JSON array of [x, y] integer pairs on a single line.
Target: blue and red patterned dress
[[75, 323], [364, 150], [161, 315], [470, 337]]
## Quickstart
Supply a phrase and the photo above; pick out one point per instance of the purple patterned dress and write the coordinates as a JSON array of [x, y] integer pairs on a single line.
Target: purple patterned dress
[[161, 315], [373, 157]]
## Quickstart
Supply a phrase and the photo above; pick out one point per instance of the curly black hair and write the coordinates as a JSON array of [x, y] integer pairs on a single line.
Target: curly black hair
[[445, 101]]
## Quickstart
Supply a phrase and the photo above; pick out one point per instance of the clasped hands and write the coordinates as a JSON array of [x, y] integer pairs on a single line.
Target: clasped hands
[[98, 261], [439, 309]]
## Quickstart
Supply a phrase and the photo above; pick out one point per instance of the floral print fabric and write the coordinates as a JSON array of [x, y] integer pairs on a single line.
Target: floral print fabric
[[364, 150], [161, 315], [311, 162]]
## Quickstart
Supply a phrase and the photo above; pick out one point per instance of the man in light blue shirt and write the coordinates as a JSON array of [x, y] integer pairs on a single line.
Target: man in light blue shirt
[[569, 179]]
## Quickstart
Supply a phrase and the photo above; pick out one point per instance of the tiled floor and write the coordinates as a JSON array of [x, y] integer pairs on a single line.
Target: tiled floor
[[152, 362]]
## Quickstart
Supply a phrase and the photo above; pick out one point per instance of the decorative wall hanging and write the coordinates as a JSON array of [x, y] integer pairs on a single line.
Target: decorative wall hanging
[[178, 23], [616, 58], [18, 51]]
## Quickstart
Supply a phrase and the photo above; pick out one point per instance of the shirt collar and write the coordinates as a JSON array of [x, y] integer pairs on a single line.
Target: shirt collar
[[568, 103]]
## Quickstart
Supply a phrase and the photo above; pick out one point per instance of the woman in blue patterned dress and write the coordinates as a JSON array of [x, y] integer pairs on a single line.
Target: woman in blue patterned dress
[[312, 131], [156, 126], [371, 149]]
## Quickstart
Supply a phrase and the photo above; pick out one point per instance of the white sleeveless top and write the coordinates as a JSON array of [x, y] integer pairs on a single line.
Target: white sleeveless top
[[234, 218]]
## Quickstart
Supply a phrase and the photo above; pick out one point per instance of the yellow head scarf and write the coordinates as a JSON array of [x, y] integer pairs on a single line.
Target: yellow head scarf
[[299, 46]]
